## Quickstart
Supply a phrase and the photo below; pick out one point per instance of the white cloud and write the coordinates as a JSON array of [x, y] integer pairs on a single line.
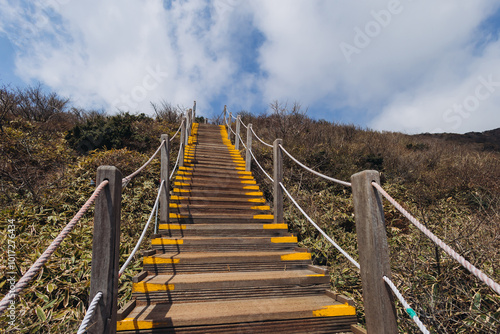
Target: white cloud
[[412, 60]]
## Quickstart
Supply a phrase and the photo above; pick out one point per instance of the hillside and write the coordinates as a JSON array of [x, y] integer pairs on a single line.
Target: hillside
[[450, 182]]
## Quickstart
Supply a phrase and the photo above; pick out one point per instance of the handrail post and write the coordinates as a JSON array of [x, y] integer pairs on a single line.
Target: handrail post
[[165, 176], [188, 127], [373, 254], [278, 177], [248, 157], [229, 125], [194, 110], [237, 137], [225, 112], [181, 147], [106, 251]]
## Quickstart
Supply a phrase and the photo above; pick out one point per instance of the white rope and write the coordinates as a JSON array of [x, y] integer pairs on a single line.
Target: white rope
[[245, 126], [347, 184], [234, 117], [457, 257], [176, 162], [127, 179], [263, 142], [179, 129], [242, 143], [122, 269], [356, 264], [254, 159], [89, 313], [408, 309]]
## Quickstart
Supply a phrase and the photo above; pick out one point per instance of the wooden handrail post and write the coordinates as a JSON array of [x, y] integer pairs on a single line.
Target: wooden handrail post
[[188, 127], [237, 138], [181, 147], [248, 157], [106, 251], [165, 176], [194, 110], [278, 177], [229, 126], [225, 112], [373, 254]]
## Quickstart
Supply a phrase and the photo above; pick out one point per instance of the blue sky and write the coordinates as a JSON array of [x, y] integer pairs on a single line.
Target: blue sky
[[390, 65]]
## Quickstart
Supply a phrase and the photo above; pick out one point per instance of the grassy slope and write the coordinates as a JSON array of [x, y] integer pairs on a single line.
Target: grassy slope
[[452, 187]]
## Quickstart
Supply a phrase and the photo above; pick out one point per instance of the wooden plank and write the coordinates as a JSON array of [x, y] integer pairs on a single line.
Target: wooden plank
[[106, 250], [373, 254], [165, 176], [248, 156], [278, 177]]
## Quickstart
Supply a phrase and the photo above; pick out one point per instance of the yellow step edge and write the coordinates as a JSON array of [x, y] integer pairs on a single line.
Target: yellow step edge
[[283, 240], [180, 184], [144, 287], [248, 182], [185, 191], [246, 177], [256, 193], [159, 260], [296, 257], [161, 241], [275, 226], [171, 227], [184, 173], [245, 173], [240, 168], [335, 311], [261, 207], [131, 324], [185, 168], [316, 275], [174, 205], [263, 217], [177, 198], [183, 178], [251, 187], [256, 200]]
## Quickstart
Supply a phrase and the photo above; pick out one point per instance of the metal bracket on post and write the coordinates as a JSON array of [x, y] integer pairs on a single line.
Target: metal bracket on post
[[106, 251], [229, 126], [373, 254], [165, 176], [237, 137], [278, 177], [181, 147], [248, 157]]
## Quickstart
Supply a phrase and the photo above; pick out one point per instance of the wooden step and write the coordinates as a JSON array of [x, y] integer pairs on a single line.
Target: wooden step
[[243, 230], [189, 262], [322, 311], [221, 244], [179, 288]]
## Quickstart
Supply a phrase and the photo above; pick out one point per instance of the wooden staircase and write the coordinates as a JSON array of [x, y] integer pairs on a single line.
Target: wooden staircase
[[221, 266]]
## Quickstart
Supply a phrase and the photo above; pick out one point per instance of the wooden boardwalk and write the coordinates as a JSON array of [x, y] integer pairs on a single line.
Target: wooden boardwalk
[[220, 265]]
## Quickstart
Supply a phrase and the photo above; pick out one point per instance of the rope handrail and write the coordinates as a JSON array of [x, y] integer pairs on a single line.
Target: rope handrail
[[89, 313], [179, 129], [143, 234], [255, 159], [263, 142], [453, 254], [176, 162], [354, 262], [127, 179], [35, 268], [408, 309], [347, 184], [245, 126]]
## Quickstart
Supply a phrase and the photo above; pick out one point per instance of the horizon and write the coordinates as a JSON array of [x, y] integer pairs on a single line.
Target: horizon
[[400, 66]]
